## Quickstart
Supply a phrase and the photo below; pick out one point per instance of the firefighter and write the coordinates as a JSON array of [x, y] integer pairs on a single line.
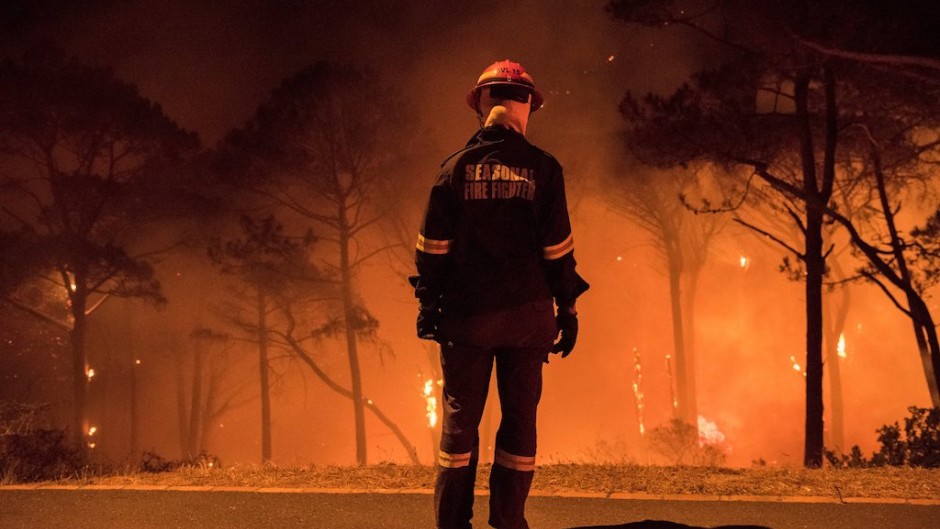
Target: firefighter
[[496, 284]]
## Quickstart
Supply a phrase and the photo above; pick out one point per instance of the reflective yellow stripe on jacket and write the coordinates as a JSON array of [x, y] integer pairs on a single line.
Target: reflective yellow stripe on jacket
[[556, 251], [433, 246]]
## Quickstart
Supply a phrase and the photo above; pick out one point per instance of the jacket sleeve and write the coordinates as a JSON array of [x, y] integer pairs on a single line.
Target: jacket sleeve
[[557, 242], [435, 241]]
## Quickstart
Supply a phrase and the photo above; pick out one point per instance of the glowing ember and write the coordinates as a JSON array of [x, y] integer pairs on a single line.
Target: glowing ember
[[90, 373], [796, 366], [92, 430], [708, 432], [840, 348], [92, 445], [431, 401], [745, 262], [610, 59], [137, 362]]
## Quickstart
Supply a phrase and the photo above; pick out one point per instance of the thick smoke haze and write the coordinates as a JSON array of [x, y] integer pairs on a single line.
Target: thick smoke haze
[[210, 64]]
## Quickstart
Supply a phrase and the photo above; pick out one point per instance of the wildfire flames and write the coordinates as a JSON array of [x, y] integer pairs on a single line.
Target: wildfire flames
[[431, 401], [638, 390]]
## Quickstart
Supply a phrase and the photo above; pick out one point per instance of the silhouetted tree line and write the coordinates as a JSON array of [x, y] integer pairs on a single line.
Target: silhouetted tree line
[[98, 186], [820, 118], [825, 112]]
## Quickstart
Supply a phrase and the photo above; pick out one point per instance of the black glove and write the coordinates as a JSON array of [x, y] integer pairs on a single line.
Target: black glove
[[429, 318], [429, 312], [567, 321]]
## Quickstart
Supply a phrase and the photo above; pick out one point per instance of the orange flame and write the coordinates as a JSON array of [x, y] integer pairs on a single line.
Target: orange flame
[[431, 403]]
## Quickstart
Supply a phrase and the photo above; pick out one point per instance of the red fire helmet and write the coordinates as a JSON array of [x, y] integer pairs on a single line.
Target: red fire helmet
[[505, 72]]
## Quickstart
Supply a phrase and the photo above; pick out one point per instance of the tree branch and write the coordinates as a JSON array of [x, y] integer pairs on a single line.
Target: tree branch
[[25, 308], [770, 236]]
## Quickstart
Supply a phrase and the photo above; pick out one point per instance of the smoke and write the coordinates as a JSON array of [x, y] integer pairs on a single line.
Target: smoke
[[209, 64]]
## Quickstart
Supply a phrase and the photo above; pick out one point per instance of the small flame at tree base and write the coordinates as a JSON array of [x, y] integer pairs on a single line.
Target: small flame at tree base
[[431, 401], [708, 432]]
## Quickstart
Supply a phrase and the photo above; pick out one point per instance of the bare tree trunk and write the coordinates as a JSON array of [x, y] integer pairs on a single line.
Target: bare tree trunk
[[815, 266], [926, 333], [835, 330], [683, 411], [78, 298], [688, 324], [919, 313], [815, 269], [349, 315], [182, 415], [264, 373], [135, 416], [208, 412], [195, 404]]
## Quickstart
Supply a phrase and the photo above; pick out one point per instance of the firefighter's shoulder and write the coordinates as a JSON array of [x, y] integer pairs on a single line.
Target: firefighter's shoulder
[[452, 156], [547, 155]]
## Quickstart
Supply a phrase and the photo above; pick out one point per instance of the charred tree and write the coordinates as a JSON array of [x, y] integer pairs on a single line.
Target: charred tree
[[205, 389], [718, 117], [655, 200], [269, 266], [322, 144], [82, 150], [837, 314]]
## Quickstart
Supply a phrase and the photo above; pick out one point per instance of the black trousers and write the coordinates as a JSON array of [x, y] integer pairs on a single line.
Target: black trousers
[[517, 340]]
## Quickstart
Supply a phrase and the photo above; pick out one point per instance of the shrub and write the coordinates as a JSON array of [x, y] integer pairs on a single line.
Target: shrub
[[679, 440], [154, 463], [41, 454], [30, 452], [918, 445]]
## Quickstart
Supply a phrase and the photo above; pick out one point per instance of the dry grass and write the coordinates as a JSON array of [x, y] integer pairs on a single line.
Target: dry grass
[[872, 483], [888, 482]]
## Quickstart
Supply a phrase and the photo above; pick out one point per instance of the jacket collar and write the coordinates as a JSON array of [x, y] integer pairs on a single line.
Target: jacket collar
[[493, 134]]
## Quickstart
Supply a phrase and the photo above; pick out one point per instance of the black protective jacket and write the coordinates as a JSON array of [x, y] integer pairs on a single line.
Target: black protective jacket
[[496, 232]]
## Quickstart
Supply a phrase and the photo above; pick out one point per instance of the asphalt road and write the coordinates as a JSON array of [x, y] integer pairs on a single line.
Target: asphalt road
[[134, 509]]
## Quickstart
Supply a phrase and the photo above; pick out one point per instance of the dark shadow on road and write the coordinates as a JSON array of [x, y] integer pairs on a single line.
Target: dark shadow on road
[[659, 524]]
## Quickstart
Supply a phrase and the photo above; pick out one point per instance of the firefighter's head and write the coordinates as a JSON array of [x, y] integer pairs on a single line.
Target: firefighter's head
[[505, 94]]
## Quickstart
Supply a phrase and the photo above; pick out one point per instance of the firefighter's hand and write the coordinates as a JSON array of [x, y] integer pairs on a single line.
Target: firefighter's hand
[[567, 321], [429, 318]]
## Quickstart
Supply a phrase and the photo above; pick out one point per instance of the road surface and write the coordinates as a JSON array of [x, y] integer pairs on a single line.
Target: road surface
[[284, 508]]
